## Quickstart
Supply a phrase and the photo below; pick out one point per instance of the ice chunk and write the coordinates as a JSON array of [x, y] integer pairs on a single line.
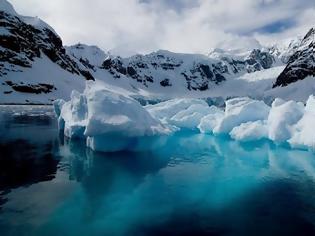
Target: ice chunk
[[208, 122], [303, 132], [183, 113], [190, 118], [281, 118], [58, 103], [113, 113], [110, 121], [241, 110], [73, 116], [250, 131]]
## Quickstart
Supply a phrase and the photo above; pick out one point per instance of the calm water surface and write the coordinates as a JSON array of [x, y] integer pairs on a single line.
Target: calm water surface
[[194, 185]]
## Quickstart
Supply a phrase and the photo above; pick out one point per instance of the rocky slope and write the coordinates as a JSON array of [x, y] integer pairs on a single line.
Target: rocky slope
[[25, 42], [197, 72], [35, 67], [301, 64]]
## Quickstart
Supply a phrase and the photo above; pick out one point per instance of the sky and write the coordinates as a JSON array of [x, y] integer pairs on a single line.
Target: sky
[[192, 26]]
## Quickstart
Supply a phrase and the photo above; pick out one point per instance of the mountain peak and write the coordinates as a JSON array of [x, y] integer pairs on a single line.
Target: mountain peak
[[310, 32], [7, 7]]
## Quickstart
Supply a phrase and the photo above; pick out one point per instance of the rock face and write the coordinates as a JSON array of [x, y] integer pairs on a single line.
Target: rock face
[[164, 67], [23, 39], [248, 62], [301, 64]]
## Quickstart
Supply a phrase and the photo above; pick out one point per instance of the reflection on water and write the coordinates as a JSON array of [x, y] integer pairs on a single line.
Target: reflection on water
[[194, 185]]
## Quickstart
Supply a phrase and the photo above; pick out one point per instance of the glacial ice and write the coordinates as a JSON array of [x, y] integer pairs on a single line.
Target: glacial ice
[[241, 110], [111, 121], [210, 121], [303, 132], [182, 113], [281, 118], [250, 131], [58, 103]]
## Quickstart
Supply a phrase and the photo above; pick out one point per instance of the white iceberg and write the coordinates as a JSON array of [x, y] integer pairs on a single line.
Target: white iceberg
[[110, 121], [283, 115], [241, 110], [208, 122], [250, 131], [303, 132], [58, 103], [73, 116], [182, 113]]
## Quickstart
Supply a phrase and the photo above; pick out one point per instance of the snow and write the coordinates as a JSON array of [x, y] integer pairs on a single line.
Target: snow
[[42, 71], [210, 121], [250, 131], [303, 132], [183, 113], [93, 54], [109, 121], [257, 85], [281, 118], [112, 121], [298, 91], [7, 7], [241, 110], [37, 23]]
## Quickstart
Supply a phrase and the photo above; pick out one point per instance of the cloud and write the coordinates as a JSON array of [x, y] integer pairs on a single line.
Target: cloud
[[176, 25]]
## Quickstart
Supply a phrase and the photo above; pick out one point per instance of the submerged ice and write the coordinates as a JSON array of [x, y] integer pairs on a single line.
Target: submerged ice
[[111, 121]]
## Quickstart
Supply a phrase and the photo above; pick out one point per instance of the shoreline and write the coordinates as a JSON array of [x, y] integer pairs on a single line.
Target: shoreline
[[26, 104]]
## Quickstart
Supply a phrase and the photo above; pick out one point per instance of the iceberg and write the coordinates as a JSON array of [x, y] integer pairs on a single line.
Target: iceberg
[[182, 113], [303, 132], [73, 116], [241, 110], [210, 121], [283, 115], [250, 131], [109, 121]]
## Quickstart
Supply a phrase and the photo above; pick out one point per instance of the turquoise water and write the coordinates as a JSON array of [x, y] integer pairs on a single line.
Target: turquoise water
[[193, 185]]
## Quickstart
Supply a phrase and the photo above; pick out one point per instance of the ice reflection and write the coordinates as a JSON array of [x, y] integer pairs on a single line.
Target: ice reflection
[[193, 184]]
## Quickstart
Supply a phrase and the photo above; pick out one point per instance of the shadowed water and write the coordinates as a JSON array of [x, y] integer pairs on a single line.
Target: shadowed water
[[194, 184]]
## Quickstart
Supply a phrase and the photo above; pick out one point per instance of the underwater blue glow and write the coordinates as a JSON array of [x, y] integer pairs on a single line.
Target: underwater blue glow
[[194, 184]]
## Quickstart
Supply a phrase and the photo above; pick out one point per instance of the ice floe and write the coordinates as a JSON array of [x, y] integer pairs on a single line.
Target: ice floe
[[111, 121]]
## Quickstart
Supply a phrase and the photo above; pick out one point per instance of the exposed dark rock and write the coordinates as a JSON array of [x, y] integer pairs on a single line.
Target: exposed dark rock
[[169, 66], [206, 70], [32, 88], [107, 64], [25, 43], [131, 71], [301, 64], [165, 83], [219, 78], [259, 60]]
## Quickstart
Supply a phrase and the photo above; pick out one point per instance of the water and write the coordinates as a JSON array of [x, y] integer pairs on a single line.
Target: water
[[194, 185]]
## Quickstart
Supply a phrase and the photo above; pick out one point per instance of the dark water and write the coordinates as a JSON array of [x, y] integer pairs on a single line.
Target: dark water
[[194, 185]]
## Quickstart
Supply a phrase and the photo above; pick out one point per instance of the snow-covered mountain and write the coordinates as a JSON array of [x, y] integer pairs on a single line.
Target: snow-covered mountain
[[90, 56], [36, 68], [34, 61], [301, 63]]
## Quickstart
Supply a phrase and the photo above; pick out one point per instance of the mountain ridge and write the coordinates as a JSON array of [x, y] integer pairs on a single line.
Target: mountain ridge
[[29, 48]]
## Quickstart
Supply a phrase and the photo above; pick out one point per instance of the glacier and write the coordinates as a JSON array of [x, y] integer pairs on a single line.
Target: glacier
[[112, 121]]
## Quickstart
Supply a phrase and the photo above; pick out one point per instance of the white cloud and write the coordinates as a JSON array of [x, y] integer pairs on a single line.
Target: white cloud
[[181, 25]]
